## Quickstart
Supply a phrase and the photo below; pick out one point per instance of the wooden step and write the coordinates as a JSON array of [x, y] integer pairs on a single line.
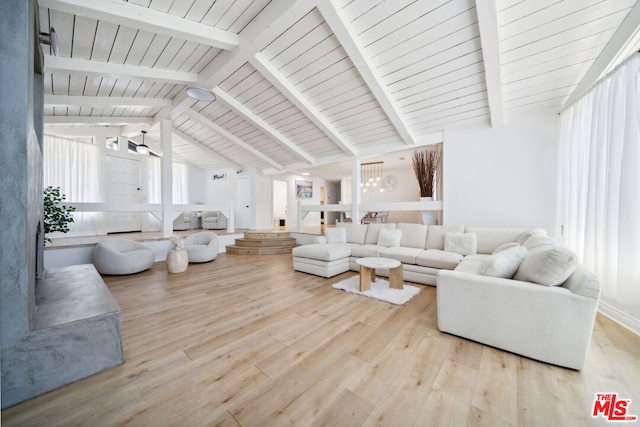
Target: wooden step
[[265, 235], [242, 250], [263, 243], [280, 241]]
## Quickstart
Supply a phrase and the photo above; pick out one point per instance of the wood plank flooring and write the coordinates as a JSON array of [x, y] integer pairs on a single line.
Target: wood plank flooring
[[246, 341]]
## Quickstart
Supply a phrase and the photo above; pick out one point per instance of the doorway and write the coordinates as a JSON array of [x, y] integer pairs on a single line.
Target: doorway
[[123, 186], [243, 200], [280, 203]]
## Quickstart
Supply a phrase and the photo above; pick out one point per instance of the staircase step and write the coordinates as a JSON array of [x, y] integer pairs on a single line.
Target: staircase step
[[281, 241], [240, 250], [265, 235]]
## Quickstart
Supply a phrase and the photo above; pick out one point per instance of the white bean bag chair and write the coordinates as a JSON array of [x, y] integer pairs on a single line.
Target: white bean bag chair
[[202, 247], [117, 256]]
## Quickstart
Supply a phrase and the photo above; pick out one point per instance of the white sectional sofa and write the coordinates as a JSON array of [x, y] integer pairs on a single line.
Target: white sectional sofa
[[421, 248], [510, 288]]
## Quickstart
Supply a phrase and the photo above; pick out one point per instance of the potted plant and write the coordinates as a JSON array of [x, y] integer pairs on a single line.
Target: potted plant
[[57, 216], [426, 165]]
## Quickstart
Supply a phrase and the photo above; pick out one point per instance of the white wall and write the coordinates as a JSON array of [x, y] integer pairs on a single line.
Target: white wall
[[406, 191], [219, 191], [197, 179], [502, 177]]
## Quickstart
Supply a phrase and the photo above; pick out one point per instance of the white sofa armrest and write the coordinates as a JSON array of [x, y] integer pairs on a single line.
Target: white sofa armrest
[[551, 324]]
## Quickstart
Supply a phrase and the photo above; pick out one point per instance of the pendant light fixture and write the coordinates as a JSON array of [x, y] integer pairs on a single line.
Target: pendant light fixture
[[143, 148], [50, 39]]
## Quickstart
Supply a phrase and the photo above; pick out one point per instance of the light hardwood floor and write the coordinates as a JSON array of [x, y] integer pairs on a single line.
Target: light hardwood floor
[[247, 341]]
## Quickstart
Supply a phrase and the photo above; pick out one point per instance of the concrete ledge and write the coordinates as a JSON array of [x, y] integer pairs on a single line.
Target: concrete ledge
[[61, 256], [77, 334]]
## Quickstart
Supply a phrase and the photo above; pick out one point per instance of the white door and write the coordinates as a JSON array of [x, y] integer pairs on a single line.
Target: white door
[[280, 202], [124, 186], [243, 201]]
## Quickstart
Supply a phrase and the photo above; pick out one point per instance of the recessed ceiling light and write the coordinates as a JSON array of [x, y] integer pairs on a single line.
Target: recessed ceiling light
[[201, 94], [305, 173]]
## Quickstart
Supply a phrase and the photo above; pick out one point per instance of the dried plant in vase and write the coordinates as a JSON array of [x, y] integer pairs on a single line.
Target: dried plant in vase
[[425, 165], [178, 242]]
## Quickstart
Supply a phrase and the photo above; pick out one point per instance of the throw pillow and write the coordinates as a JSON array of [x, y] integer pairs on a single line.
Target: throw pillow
[[533, 232], [506, 246], [389, 238], [538, 240], [460, 243], [547, 265], [504, 263], [336, 235]]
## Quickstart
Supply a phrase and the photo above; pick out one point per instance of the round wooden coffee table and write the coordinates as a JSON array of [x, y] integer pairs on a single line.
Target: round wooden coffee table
[[368, 267]]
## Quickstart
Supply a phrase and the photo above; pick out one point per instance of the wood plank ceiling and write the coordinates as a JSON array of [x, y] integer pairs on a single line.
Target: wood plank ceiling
[[301, 83]]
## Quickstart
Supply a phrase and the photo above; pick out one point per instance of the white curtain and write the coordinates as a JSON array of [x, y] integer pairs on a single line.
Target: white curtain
[[599, 204], [180, 182], [74, 166], [155, 181]]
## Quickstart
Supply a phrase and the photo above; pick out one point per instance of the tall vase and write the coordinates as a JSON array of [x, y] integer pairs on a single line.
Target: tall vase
[[177, 261], [427, 217]]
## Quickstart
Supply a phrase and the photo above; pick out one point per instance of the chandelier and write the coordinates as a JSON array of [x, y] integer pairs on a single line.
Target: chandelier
[[370, 176]]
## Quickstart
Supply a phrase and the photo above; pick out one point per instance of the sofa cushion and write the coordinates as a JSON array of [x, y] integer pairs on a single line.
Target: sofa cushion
[[462, 243], [402, 254], [583, 282], [373, 230], [489, 238], [355, 232], [324, 252], [389, 238], [362, 251], [436, 258], [547, 265], [413, 235], [503, 263], [471, 263], [435, 235], [335, 235]]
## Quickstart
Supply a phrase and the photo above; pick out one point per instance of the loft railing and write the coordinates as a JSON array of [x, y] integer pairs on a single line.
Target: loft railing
[[363, 208], [156, 209]]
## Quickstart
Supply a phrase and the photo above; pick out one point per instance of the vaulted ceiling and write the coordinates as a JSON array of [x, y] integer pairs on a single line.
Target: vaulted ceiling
[[303, 83]]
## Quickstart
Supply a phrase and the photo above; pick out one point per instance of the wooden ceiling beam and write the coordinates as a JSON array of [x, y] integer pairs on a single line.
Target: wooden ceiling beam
[[104, 101], [349, 40], [276, 17], [87, 67], [146, 19], [203, 148], [490, 42], [610, 54], [231, 137], [96, 120], [260, 63], [265, 127]]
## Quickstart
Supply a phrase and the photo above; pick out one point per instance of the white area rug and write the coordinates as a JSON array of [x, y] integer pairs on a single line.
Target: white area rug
[[379, 290]]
